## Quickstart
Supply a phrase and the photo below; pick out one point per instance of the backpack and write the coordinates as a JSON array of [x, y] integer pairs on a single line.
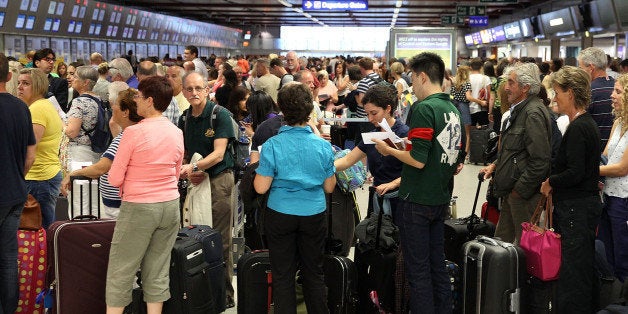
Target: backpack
[[100, 136], [239, 147], [351, 178]]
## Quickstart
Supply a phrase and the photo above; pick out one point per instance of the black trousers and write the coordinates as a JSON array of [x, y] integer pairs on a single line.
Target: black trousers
[[297, 241], [576, 220]]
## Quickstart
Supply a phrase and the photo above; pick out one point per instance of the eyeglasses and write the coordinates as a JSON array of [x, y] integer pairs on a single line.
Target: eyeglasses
[[48, 59], [198, 89]]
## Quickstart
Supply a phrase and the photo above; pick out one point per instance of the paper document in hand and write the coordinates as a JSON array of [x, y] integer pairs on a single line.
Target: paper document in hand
[[390, 138]]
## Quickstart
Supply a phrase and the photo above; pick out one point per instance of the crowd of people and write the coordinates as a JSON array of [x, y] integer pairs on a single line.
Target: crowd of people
[[164, 111]]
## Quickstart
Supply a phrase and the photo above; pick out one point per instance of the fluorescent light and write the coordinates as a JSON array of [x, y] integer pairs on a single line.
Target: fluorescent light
[[399, 3], [285, 3], [556, 22]]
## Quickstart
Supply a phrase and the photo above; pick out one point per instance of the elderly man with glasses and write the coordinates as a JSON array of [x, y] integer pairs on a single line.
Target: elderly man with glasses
[[209, 136]]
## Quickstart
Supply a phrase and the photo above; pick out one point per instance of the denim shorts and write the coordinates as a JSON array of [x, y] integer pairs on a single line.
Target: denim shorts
[[465, 113]]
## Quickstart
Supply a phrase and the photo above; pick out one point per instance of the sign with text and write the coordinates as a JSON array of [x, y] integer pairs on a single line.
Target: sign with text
[[478, 21], [447, 20], [467, 10], [410, 44], [334, 5]]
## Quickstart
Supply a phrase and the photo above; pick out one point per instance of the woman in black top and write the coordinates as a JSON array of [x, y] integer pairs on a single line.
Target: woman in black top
[[574, 186], [223, 92]]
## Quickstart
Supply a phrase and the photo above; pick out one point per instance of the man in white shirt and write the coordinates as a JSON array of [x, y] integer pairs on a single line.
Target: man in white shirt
[[191, 54], [480, 90]]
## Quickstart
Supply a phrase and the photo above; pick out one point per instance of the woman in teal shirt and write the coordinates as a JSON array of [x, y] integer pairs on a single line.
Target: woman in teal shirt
[[298, 168]]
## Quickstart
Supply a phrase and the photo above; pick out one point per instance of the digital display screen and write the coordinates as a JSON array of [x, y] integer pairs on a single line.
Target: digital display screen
[[526, 28], [512, 30], [97, 30], [109, 30], [558, 22], [60, 7], [71, 26], [79, 27], [34, 5], [24, 5], [52, 7], [4, 3], [112, 18], [30, 22], [92, 27], [82, 12], [95, 14], [101, 16], [75, 10], [477, 39], [19, 23], [55, 25], [247, 36], [485, 34], [497, 33], [115, 31], [1, 19], [468, 39]]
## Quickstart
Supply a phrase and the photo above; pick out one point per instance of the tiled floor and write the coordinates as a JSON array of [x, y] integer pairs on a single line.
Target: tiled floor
[[465, 187]]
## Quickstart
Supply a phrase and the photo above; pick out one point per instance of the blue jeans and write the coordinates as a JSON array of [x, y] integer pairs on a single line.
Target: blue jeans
[[46, 193], [613, 232], [421, 236], [9, 293]]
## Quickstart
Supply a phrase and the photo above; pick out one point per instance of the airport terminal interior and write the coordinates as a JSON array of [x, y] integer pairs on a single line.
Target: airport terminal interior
[[322, 34]]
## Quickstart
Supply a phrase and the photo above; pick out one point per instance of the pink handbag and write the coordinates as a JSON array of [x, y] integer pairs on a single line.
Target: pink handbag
[[541, 244]]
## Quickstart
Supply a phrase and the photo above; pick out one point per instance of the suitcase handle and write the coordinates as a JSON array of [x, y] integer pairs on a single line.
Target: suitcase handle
[[487, 240], [85, 217]]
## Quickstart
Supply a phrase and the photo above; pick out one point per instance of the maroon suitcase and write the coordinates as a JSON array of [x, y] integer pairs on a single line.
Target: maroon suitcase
[[78, 255]]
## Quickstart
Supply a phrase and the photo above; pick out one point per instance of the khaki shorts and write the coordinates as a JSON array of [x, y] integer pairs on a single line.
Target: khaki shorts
[[143, 237]]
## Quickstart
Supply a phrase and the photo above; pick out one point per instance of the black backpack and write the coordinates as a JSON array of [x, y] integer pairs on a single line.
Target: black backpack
[[100, 135]]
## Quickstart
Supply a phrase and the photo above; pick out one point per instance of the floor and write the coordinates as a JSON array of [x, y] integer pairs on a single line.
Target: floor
[[465, 187]]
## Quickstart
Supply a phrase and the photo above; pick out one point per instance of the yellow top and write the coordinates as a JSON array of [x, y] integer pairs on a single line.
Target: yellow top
[[47, 163]]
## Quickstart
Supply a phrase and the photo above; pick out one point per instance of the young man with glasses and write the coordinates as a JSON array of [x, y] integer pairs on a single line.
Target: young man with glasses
[[44, 59]]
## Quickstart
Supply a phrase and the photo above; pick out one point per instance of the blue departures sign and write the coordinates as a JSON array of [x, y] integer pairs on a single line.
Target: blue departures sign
[[334, 5], [478, 21]]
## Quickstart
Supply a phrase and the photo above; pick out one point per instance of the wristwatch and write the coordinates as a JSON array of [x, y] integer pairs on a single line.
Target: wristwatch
[[194, 167]]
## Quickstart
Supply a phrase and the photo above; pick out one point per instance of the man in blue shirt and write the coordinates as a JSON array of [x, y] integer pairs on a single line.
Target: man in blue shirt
[[17, 145]]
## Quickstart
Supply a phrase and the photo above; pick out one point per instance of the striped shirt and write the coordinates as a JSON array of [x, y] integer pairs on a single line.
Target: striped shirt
[[601, 107], [363, 85], [110, 194]]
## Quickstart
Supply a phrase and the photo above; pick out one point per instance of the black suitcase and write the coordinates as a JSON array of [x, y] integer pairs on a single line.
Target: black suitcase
[[341, 281], [376, 272], [479, 140], [254, 283], [460, 230], [212, 251], [540, 296], [342, 224], [190, 287], [494, 275]]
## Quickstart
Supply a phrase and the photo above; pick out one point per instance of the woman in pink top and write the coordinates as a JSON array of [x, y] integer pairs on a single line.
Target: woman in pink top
[[146, 169]]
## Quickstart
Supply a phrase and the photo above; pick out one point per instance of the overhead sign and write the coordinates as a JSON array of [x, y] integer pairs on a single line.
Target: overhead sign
[[478, 21], [334, 5], [468, 10], [447, 20], [499, 1]]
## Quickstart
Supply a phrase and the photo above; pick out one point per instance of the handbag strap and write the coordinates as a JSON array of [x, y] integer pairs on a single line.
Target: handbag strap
[[536, 216], [549, 210], [544, 203]]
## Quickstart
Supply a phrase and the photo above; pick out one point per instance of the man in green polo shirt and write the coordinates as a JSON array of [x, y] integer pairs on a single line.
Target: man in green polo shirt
[[210, 139], [430, 161]]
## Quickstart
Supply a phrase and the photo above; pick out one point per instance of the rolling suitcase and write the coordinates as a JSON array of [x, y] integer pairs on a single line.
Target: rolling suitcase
[[494, 275], [254, 283], [341, 282], [212, 251], [460, 230], [31, 259], [190, 288], [78, 255], [479, 139], [343, 206], [376, 271]]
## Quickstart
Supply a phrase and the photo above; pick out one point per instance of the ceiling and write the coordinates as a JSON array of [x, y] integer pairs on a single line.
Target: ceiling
[[246, 14]]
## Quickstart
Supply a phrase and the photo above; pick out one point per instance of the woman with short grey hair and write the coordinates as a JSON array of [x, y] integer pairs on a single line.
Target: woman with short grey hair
[[82, 120]]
